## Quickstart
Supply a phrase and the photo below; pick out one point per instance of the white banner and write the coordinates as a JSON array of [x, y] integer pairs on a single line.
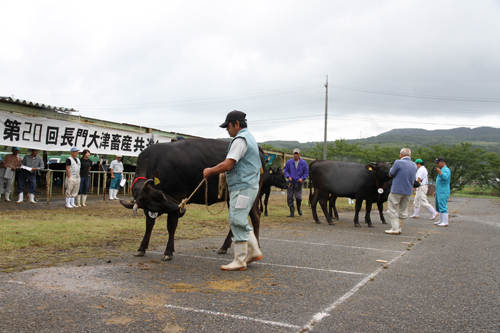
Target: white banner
[[59, 135]]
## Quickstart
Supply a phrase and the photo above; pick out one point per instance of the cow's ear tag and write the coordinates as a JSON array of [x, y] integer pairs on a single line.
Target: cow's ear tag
[[157, 181], [370, 168], [261, 170], [270, 171]]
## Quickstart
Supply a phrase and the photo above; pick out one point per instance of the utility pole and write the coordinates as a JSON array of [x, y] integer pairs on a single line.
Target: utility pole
[[326, 117]]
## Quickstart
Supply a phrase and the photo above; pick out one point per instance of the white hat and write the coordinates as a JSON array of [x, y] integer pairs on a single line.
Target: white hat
[[296, 150]]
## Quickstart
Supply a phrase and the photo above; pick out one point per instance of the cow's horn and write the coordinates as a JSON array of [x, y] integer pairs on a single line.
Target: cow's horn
[[135, 208]]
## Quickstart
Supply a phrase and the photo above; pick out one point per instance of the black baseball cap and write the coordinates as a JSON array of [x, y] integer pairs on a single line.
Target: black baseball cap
[[233, 116], [439, 159]]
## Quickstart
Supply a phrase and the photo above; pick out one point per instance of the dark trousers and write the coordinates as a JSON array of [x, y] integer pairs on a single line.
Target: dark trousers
[[293, 190], [26, 176], [84, 185]]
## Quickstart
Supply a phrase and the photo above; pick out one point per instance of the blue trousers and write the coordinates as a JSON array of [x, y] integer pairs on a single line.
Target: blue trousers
[[26, 176], [238, 217], [84, 185], [442, 202], [115, 182]]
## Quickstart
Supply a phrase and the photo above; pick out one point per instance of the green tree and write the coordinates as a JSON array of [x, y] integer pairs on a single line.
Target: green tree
[[340, 150]]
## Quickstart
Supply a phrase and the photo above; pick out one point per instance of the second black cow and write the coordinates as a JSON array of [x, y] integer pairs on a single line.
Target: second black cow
[[350, 180]]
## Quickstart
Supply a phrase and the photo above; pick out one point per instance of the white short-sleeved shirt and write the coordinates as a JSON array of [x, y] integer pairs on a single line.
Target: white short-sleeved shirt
[[238, 149], [116, 166], [422, 174]]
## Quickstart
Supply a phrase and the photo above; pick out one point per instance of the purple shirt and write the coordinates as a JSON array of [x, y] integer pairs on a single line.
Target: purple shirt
[[301, 172]]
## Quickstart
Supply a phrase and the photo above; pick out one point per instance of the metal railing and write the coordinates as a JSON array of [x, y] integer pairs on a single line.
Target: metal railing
[[49, 177]]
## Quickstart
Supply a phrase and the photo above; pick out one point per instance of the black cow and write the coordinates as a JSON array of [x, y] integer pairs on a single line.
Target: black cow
[[272, 177], [178, 166], [344, 179], [380, 203]]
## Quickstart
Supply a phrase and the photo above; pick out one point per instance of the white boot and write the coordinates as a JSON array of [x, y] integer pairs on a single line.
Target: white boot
[[114, 195], [444, 223], [7, 196], [84, 199], [240, 255], [72, 203], [395, 229], [433, 212], [111, 194], [20, 200], [440, 219], [78, 204], [32, 198], [68, 203], [416, 211], [254, 252]]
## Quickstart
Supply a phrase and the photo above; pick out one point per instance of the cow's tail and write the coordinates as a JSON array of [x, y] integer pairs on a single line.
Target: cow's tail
[[311, 185]]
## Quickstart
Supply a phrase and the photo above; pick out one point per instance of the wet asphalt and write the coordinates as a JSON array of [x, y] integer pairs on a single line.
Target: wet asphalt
[[313, 278]]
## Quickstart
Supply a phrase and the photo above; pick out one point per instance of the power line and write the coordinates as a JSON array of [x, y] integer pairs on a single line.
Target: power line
[[447, 98]]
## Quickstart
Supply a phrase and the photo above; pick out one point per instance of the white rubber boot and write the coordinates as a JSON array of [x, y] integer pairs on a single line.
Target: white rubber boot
[[31, 198], [416, 212], [7, 196], [68, 203], [444, 223], [240, 255], [440, 219], [433, 212], [114, 195], [84, 199], [395, 229], [254, 252], [78, 197], [72, 203], [20, 200], [111, 197]]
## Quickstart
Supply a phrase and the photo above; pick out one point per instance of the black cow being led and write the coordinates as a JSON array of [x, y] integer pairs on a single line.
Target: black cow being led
[[178, 167]]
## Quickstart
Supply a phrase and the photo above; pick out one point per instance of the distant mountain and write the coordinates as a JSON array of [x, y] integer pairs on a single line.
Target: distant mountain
[[487, 138]]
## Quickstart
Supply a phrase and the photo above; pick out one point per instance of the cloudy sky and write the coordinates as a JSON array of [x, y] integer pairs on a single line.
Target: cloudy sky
[[180, 66]]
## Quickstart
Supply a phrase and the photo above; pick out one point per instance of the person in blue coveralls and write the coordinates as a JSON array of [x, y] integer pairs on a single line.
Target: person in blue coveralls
[[442, 191], [242, 167], [296, 172]]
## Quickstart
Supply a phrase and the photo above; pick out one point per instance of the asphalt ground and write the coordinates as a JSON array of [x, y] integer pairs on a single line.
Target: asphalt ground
[[313, 277]]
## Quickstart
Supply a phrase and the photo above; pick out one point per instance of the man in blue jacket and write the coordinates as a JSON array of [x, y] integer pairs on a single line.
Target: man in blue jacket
[[442, 191], [296, 172], [403, 173]]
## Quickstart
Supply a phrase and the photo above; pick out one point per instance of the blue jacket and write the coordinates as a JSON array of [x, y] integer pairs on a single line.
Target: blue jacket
[[443, 182], [301, 172], [403, 172], [246, 172]]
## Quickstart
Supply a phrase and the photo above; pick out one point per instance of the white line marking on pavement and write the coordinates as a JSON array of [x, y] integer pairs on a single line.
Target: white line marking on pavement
[[278, 265], [268, 322], [19, 282], [324, 244], [326, 312]]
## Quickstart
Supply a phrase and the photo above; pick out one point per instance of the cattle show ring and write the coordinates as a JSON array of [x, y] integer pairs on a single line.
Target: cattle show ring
[[102, 268]]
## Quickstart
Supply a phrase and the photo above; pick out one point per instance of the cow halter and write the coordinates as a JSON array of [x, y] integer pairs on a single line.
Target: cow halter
[[135, 180], [380, 189]]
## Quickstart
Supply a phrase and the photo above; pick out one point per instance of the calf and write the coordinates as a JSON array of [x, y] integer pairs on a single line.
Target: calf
[[272, 177]]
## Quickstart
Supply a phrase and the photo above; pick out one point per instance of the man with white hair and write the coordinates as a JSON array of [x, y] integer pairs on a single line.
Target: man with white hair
[[403, 173]]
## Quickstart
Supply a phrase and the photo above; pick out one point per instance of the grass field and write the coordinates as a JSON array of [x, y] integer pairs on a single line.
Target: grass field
[[38, 238]]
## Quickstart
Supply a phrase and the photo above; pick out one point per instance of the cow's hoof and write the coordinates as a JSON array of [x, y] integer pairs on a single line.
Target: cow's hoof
[[383, 222], [167, 257], [222, 251], [331, 223], [318, 222], [357, 225], [370, 225], [140, 254]]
